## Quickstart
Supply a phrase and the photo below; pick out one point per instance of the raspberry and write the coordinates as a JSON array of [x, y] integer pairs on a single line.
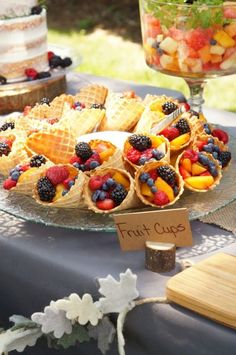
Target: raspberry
[[133, 155], [200, 144], [9, 183], [26, 110], [221, 135], [153, 174], [50, 54], [106, 177], [197, 39], [148, 154], [24, 167], [57, 174], [75, 159], [160, 198], [191, 154], [95, 182], [31, 73], [170, 133]]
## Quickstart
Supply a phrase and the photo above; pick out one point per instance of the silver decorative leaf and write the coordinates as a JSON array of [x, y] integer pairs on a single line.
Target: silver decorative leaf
[[118, 294], [18, 339], [104, 332]]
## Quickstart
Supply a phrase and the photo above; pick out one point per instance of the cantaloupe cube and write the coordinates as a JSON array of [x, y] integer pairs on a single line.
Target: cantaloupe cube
[[204, 54], [224, 39], [169, 45], [163, 186], [215, 58], [217, 50]]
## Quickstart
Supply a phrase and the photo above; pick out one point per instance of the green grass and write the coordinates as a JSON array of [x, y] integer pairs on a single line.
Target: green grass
[[110, 55]]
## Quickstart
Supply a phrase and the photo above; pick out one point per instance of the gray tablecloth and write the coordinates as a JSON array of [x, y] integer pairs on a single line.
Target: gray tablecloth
[[39, 264]]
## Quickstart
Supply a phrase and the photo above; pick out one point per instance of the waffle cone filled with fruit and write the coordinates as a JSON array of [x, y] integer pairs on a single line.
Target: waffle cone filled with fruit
[[24, 176], [57, 144], [215, 147], [12, 150], [158, 184], [141, 148], [110, 190], [60, 186], [199, 170], [122, 113]]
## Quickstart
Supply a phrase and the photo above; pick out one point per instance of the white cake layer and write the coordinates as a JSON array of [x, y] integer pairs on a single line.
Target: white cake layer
[[16, 8], [23, 53]]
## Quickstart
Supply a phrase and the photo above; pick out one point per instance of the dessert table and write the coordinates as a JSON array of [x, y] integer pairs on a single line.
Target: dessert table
[[39, 263]]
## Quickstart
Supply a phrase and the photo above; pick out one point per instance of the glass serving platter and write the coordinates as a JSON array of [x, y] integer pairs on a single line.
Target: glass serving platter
[[198, 205]]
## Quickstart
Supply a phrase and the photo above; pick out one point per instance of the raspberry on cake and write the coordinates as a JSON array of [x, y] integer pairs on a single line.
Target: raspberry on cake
[[96, 154], [110, 190], [142, 148], [158, 184], [199, 170]]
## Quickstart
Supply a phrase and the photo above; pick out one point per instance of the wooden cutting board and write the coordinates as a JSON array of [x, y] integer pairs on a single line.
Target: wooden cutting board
[[208, 288]]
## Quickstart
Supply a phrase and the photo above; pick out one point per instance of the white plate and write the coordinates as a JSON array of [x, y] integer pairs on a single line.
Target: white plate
[[117, 138]]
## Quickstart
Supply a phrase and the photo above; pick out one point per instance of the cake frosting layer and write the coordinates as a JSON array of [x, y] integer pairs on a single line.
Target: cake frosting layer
[[16, 8]]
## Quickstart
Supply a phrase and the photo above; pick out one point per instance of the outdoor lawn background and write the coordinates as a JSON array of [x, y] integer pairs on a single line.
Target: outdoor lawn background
[[106, 33]]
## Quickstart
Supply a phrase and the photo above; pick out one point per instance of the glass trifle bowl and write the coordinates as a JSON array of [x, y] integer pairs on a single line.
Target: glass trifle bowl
[[192, 39]]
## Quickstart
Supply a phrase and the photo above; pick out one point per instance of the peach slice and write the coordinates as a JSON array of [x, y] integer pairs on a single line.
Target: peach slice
[[59, 189], [181, 140], [105, 155], [186, 164], [163, 186], [200, 182], [156, 141], [146, 191], [121, 179], [26, 174], [198, 169], [184, 173]]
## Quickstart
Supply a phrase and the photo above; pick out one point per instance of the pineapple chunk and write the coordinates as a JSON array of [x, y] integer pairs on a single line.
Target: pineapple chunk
[[169, 45], [224, 39], [166, 60], [229, 63]]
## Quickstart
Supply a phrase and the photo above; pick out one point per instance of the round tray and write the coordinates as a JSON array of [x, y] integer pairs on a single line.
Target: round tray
[[198, 204]]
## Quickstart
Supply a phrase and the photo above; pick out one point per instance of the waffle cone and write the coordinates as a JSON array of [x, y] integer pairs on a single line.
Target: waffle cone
[[130, 201], [223, 147], [147, 120], [135, 167], [73, 199], [18, 153], [39, 112], [26, 186], [92, 94], [122, 114], [29, 125], [114, 161], [57, 144], [175, 149], [84, 121], [161, 98], [57, 105], [196, 123], [216, 180], [148, 167]]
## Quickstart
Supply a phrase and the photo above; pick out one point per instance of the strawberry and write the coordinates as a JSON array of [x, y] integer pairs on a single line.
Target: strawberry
[[95, 182], [184, 173], [26, 110], [52, 120], [221, 135], [160, 198], [170, 133], [191, 154], [75, 159], [186, 106], [153, 174], [147, 154], [95, 157], [106, 177], [50, 54], [9, 142], [230, 12], [197, 38], [200, 145], [206, 173], [57, 174], [133, 155], [25, 167], [106, 204], [31, 73], [176, 33], [9, 183]]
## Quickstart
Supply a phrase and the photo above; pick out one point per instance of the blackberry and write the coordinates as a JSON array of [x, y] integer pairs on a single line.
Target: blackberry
[[140, 142], [37, 160], [46, 190], [55, 61], [168, 107], [36, 10], [66, 62], [3, 80], [167, 174], [7, 125], [224, 158], [100, 106], [43, 75], [45, 100], [183, 126], [119, 194], [83, 150], [4, 149], [194, 113]]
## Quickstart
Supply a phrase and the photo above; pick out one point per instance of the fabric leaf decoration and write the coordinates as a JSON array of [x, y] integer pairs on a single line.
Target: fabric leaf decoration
[[104, 332], [18, 339], [78, 335]]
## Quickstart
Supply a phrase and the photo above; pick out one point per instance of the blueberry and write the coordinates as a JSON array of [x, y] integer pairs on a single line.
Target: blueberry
[[157, 154], [203, 159], [144, 177], [15, 175], [213, 171], [213, 42], [3, 80], [215, 155], [66, 62], [36, 10], [71, 183], [207, 128], [142, 160], [160, 51], [93, 164], [95, 195], [55, 61], [64, 192], [153, 189], [176, 190], [216, 148], [150, 182], [210, 140], [43, 75], [110, 182], [105, 187], [76, 165], [102, 195], [208, 148], [82, 167]]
